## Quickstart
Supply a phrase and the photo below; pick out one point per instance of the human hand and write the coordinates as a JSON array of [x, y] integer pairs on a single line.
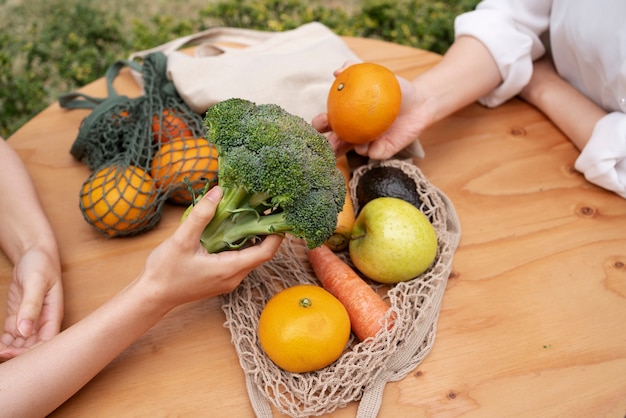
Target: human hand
[[35, 303], [410, 122], [180, 270]]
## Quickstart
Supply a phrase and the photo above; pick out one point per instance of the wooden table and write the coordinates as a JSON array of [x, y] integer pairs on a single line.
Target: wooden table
[[533, 321]]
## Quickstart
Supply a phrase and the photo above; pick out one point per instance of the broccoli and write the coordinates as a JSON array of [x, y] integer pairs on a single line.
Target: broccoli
[[278, 175]]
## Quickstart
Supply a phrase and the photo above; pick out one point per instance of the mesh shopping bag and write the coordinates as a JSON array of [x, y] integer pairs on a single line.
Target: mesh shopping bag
[[142, 151], [363, 370]]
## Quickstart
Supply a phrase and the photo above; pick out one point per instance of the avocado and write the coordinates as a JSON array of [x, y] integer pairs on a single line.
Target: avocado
[[382, 181]]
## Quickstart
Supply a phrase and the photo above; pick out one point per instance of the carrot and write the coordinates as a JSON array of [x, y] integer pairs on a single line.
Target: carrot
[[340, 238], [365, 307]]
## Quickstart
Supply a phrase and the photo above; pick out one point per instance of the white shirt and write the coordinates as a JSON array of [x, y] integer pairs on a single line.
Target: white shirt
[[587, 39]]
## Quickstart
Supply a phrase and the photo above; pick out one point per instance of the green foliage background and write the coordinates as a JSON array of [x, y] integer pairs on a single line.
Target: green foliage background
[[49, 47]]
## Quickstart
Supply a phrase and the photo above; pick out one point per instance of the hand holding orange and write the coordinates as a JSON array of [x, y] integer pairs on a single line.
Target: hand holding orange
[[363, 102]]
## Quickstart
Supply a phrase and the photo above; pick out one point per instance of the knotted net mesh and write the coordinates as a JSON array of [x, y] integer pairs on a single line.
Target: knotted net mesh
[[364, 367], [142, 151]]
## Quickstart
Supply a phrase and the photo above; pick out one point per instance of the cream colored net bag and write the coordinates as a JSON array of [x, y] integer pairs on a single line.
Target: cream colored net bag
[[365, 367]]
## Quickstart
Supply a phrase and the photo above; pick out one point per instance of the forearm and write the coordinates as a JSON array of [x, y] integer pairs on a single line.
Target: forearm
[[60, 367], [23, 223], [572, 112], [466, 73]]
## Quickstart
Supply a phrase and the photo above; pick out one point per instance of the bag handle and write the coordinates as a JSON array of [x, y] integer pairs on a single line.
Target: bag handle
[[77, 100], [210, 38]]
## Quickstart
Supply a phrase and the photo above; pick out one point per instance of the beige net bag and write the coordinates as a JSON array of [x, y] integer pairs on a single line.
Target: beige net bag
[[365, 367]]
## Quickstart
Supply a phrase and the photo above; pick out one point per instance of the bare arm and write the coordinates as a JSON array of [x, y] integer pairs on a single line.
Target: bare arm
[[466, 73], [35, 300], [85, 348], [571, 111]]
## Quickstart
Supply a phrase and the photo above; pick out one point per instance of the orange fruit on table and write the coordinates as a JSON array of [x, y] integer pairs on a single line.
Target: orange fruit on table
[[118, 200], [363, 102], [303, 328], [169, 125], [191, 158]]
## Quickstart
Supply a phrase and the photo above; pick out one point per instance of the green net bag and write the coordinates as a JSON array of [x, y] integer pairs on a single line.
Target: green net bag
[[142, 151]]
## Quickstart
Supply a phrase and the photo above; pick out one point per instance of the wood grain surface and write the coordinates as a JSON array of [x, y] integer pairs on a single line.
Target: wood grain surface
[[533, 322]]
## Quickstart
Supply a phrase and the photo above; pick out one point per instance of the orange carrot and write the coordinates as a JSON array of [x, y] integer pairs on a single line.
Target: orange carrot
[[365, 307], [340, 238]]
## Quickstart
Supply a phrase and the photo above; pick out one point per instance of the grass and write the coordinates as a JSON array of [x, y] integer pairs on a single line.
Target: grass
[[50, 47]]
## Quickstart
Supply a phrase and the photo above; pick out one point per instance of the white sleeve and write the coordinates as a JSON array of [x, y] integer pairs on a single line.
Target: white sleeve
[[511, 30], [603, 160]]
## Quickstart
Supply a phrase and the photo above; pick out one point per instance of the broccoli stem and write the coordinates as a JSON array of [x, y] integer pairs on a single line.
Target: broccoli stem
[[238, 218]]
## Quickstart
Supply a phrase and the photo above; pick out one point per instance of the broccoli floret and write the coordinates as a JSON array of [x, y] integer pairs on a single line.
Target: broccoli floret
[[278, 175]]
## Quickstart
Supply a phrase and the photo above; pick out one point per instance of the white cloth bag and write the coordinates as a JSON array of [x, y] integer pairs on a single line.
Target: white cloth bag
[[293, 68]]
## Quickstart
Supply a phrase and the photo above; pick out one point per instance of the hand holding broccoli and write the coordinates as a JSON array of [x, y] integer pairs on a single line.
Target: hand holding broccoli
[[278, 175]]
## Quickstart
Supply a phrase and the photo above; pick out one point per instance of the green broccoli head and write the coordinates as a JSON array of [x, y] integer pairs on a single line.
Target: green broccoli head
[[278, 174]]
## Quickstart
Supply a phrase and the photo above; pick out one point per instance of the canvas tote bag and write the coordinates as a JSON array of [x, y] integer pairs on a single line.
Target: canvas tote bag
[[293, 68]]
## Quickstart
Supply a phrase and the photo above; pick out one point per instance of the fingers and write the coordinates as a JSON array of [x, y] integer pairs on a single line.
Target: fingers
[[12, 344], [340, 147], [30, 307], [41, 311], [25, 327], [343, 67], [250, 257], [234, 266], [265, 250], [201, 215], [51, 315], [7, 339], [320, 123], [9, 352], [362, 149]]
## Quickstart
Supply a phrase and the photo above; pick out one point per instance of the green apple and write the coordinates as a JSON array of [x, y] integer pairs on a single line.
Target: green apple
[[392, 241]]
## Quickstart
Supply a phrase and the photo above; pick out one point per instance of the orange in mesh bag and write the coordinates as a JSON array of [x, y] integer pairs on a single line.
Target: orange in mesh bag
[[118, 199], [182, 162], [364, 368], [142, 151]]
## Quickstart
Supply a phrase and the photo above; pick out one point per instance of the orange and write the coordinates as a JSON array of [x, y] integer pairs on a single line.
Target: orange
[[122, 114], [117, 118], [193, 158], [303, 328], [169, 126], [363, 102], [117, 200]]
